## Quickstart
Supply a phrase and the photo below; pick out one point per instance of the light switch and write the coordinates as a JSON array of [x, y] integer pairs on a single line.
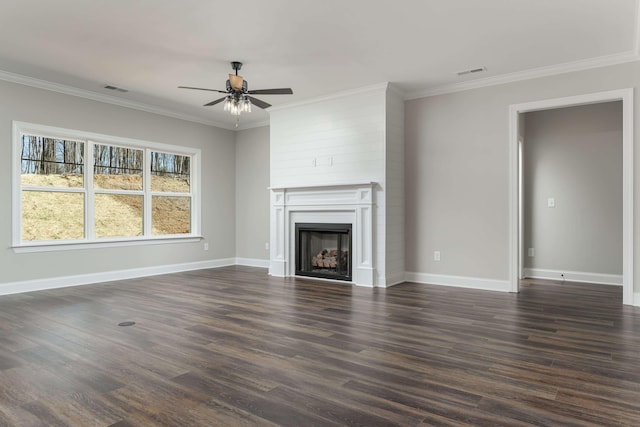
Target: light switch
[[551, 202]]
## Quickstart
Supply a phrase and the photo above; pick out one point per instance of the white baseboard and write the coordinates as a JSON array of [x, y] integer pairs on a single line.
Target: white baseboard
[[108, 276], [253, 262], [636, 299], [459, 281], [426, 278], [573, 276]]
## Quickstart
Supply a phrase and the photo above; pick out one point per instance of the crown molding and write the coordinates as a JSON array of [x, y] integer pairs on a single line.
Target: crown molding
[[568, 67], [395, 89], [94, 96], [343, 94], [601, 61]]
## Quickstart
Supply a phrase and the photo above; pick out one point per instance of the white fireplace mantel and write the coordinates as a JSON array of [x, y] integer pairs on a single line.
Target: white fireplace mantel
[[349, 203]]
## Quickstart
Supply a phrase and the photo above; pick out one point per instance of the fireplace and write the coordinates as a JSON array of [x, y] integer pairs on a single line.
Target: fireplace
[[323, 250], [350, 204]]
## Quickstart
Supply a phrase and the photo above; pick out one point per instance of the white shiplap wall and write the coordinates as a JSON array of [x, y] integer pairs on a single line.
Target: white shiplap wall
[[357, 137], [348, 130]]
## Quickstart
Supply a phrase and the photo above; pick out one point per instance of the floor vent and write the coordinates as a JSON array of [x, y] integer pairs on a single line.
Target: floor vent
[[127, 323]]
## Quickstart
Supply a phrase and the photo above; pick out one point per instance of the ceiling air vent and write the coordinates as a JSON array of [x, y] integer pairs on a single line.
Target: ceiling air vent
[[472, 71], [119, 89]]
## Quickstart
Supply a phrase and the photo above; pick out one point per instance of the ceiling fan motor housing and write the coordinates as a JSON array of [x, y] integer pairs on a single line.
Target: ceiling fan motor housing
[[236, 65], [244, 89]]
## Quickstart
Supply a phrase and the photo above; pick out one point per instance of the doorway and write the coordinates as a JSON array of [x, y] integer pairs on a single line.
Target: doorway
[[515, 206]]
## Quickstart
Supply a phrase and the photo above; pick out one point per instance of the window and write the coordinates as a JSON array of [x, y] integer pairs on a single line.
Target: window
[[74, 187]]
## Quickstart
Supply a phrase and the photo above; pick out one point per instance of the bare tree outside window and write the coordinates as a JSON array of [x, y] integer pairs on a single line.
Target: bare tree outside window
[[52, 179]]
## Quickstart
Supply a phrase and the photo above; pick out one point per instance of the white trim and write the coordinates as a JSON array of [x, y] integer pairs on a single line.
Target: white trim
[[30, 247], [100, 138], [89, 138], [324, 186], [624, 95], [349, 204], [636, 299], [108, 276], [458, 281], [568, 67], [573, 276], [107, 99], [253, 262]]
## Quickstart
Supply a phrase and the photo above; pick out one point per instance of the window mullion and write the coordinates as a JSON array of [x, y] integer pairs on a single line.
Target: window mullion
[[89, 219], [194, 191], [147, 204]]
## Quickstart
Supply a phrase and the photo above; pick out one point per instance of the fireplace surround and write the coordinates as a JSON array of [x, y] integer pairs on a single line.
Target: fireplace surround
[[349, 203]]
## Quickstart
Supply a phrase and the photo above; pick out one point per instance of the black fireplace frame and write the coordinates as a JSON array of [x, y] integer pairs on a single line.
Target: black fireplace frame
[[341, 229]]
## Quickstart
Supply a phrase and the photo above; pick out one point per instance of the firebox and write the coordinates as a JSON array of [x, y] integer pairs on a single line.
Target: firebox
[[323, 250]]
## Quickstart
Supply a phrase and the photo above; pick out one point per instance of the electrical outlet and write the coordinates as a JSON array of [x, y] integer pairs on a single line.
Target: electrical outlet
[[206, 246], [266, 246], [532, 252], [436, 255], [551, 202]]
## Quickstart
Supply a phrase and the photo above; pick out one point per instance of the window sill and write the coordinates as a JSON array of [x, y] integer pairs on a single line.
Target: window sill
[[58, 246]]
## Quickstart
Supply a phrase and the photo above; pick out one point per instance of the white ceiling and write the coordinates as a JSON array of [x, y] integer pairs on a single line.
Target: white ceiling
[[317, 47]]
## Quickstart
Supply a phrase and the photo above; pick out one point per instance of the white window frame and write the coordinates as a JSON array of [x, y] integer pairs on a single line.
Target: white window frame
[[89, 241]]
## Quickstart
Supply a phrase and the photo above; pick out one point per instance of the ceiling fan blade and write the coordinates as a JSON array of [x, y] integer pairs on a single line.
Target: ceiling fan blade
[[201, 88], [217, 101], [258, 103], [236, 81], [280, 91]]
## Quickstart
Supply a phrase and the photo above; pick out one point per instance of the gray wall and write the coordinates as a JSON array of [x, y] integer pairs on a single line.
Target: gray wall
[[252, 194], [28, 104], [457, 170], [574, 155]]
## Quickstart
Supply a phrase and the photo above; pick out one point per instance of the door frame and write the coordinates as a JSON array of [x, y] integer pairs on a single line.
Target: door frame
[[516, 246]]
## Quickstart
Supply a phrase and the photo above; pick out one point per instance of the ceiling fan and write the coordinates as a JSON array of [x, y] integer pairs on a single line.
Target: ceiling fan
[[238, 96]]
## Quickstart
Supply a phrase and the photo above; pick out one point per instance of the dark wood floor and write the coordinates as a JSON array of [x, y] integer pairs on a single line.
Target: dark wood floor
[[232, 346]]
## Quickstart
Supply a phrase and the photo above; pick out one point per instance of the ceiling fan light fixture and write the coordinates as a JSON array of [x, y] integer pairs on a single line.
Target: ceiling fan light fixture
[[236, 108], [227, 103], [237, 98]]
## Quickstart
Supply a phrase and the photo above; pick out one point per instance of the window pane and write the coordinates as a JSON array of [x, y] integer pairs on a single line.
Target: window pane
[[117, 168], [51, 162], [171, 215], [170, 172], [118, 215], [52, 215]]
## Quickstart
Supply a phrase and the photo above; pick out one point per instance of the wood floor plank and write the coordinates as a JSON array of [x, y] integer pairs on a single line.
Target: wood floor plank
[[235, 347]]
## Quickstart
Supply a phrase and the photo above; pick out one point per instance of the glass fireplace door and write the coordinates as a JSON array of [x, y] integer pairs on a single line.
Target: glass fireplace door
[[323, 250]]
